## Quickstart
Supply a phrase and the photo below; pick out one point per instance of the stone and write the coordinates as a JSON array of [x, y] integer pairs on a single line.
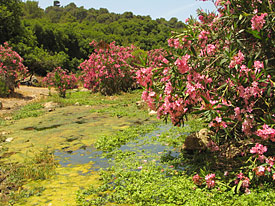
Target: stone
[[152, 112], [197, 141], [9, 139], [77, 104], [50, 105], [140, 104], [84, 90], [8, 118], [4, 133]]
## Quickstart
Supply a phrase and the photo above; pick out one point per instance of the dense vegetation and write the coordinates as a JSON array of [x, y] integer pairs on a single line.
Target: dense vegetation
[[60, 36]]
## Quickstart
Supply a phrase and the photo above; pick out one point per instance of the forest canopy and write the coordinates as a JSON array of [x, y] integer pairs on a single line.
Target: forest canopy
[[60, 36]]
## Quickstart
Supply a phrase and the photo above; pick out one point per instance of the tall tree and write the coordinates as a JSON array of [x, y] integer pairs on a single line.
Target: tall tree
[[10, 24]]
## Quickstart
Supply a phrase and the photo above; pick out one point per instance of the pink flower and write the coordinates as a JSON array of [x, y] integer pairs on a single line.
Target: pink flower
[[218, 119], [211, 49], [273, 176], [258, 65], [197, 179], [237, 59], [210, 180], [266, 133], [260, 171], [246, 182], [258, 149], [258, 22], [182, 64]]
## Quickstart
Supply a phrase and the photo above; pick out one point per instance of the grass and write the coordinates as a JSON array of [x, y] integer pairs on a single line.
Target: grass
[[29, 110], [123, 105]]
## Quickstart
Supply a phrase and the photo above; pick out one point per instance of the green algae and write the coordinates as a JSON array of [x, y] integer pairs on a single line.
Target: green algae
[[61, 189], [60, 130], [67, 130]]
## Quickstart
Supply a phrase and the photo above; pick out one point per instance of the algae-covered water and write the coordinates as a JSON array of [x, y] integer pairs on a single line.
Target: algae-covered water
[[70, 133]]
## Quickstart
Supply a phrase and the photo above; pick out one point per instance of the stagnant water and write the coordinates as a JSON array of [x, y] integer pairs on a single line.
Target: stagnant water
[[139, 146]]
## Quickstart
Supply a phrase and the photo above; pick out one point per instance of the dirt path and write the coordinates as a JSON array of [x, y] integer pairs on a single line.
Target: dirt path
[[22, 96]]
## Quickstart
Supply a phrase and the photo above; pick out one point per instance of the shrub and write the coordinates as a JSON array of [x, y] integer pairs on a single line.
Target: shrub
[[109, 69], [61, 81], [221, 68], [11, 68]]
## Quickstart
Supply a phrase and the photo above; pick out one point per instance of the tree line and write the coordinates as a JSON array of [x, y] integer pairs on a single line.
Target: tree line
[[60, 36]]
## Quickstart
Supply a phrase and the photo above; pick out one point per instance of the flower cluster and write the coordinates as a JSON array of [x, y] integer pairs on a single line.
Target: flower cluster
[[267, 163], [258, 22], [11, 69], [209, 180], [61, 81], [221, 72], [109, 69], [245, 181]]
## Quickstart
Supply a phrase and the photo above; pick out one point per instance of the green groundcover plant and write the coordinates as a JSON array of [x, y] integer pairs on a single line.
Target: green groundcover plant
[[221, 67]]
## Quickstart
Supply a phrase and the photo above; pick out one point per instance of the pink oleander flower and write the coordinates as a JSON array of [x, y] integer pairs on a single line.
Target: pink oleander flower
[[246, 182], [197, 179], [258, 149], [258, 22], [213, 146], [260, 171], [237, 59], [266, 133], [258, 65], [210, 180], [182, 64]]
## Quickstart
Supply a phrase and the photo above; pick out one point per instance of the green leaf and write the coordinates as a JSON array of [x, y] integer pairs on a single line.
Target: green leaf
[[239, 186], [193, 51], [205, 100], [223, 61], [199, 111], [240, 17], [255, 33]]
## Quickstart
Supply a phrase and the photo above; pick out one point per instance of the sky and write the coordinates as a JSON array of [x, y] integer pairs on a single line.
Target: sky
[[181, 9]]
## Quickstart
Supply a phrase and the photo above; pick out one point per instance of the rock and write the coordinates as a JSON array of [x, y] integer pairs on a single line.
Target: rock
[[9, 139], [152, 112], [50, 105], [196, 141], [140, 104], [77, 104], [4, 133], [8, 118], [84, 90]]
